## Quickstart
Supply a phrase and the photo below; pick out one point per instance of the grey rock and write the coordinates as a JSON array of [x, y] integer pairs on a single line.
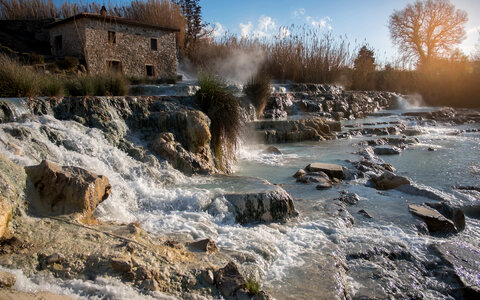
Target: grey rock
[[365, 214], [150, 285], [270, 206], [208, 277], [435, 221], [206, 245], [121, 264], [388, 181], [229, 279], [300, 173], [387, 150], [272, 150], [348, 198], [332, 170]]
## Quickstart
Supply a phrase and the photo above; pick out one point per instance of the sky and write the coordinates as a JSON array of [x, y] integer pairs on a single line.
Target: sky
[[361, 21]]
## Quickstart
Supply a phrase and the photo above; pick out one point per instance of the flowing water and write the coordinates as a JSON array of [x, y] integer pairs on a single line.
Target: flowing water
[[303, 259]]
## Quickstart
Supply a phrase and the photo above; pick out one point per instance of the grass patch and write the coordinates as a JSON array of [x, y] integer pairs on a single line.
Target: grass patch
[[223, 109], [258, 90], [16, 80], [252, 286], [51, 86], [110, 84]]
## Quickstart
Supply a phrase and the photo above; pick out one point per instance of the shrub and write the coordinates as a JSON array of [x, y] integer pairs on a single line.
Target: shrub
[[258, 90], [34, 58], [110, 84], [16, 80], [68, 63], [51, 86], [252, 286], [223, 109]]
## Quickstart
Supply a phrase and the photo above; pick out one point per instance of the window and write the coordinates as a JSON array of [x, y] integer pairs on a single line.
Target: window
[[114, 66], [58, 44], [150, 70], [153, 44], [112, 37]]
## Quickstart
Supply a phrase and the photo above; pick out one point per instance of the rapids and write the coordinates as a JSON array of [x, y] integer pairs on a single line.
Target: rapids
[[317, 253]]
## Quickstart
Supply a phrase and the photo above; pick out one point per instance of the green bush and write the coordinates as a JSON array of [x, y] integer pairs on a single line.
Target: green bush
[[110, 84], [252, 286], [16, 80], [258, 91], [51, 86], [223, 109]]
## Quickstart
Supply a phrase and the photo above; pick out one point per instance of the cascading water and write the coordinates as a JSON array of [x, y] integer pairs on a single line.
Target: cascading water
[[316, 253]]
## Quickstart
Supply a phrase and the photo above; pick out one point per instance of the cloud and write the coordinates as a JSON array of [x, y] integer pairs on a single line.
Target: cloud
[[298, 12], [473, 30], [218, 29], [265, 27], [245, 29], [283, 32], [315, 22]]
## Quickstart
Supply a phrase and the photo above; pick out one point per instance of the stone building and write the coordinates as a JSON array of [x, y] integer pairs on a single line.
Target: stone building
[[109, 43]]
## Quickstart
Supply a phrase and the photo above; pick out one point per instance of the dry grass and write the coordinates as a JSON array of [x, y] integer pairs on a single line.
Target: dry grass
[[258, 90]]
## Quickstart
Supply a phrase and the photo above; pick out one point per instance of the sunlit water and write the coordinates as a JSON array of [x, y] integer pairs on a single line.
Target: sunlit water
[[294, 260]]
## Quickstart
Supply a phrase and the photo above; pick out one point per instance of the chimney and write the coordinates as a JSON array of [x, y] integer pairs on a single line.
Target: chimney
[[103, 11]]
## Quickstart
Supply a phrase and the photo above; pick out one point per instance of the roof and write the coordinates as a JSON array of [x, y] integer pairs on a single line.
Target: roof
[[110, 19]]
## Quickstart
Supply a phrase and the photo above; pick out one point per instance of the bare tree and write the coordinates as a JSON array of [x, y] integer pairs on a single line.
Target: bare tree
[[427, 29]]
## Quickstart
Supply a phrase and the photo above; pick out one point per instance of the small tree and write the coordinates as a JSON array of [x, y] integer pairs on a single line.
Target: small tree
[[195, 28], [427, 29], [364, 67]]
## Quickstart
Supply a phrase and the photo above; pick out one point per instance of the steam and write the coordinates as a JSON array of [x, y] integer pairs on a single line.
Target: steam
[[240, 65], [415, 100], [409, 102]]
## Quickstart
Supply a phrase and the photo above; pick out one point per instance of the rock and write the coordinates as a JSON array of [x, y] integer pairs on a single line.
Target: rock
[[7, 280], [121, 264], [229, 279], [332, 170], [242, 294], [412, 132], [269, 206], [54, 258], [272, 150], [300, 173], [18, 295], [365, 214], [167, 147], [453, 213], [323, 185], [431, 149], [348, 198], [5, 216], [388, 181], [423, 191], [337, 209], [435, 221], [207, 245], [464, 261], [150, 285], [208, 277], [387, 150], [66, 190], [262, 295]]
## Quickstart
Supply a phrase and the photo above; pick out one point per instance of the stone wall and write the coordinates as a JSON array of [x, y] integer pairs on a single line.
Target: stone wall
[[73, 38], [132, 47]]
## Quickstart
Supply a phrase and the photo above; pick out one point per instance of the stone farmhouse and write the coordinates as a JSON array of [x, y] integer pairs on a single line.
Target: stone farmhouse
[[109, 43]]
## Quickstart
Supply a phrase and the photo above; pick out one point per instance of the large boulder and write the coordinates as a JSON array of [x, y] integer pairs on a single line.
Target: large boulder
[[464, 262], [5, 216], [388, 181], [229, 279], [332, 170], [65, 190], [387, 150], [269, 206], [435, 221]]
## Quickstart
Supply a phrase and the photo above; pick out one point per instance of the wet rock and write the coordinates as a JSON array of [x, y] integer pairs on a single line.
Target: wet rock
[[54, 258], [435, 221], [7, 280], [208, 277], [262, 295], [206, 245], [5, 216], [323, 185], [332, 170], [269, 206], [423, 191], [348, 198], [272, 150], [167, 147], [388, 181], [6, 113], [337, 209], [65, 190], [432, 149], [412, 132], [453, 213], [464, 261], [242, 294], [307, 129], [150, 285], [387, 150], [121, 264], [300, 173], [229, 279], [365, 214]]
